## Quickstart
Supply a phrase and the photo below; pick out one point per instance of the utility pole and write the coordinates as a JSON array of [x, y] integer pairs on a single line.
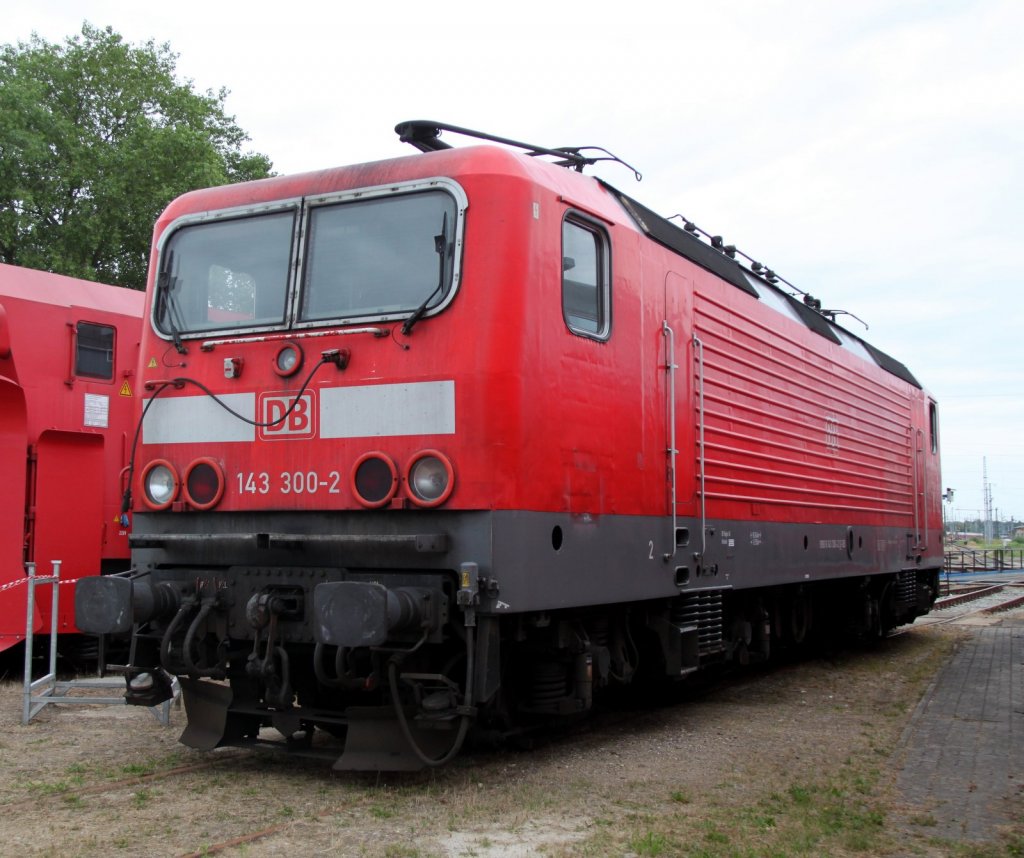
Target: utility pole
[[986, 494]]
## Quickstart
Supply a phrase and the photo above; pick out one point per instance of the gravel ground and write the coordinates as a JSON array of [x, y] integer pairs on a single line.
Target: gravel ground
[[723, 772]]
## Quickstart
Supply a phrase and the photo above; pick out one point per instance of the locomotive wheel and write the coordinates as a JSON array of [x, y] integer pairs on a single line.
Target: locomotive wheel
[[799, 618], [887, 619]]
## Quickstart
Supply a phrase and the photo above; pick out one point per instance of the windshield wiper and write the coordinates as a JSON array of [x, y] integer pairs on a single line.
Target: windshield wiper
[[166, 284], [441, 249]]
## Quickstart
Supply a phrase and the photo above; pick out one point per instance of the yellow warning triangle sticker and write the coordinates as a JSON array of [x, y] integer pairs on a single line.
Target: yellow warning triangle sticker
[[152, 363], [126, 389]]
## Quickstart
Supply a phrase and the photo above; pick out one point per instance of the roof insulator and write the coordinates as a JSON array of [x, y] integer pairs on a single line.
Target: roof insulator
[[730, 251], [756, 267], [690, 226], [716, 242]]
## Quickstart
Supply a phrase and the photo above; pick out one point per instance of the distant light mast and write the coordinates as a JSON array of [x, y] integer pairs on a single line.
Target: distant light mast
[[986, 494]]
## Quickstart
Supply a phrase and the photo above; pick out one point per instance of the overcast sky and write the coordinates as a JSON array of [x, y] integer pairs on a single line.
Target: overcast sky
[[869, 152]]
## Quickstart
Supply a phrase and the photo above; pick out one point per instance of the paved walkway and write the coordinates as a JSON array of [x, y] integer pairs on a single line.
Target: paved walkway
[[963, 751]]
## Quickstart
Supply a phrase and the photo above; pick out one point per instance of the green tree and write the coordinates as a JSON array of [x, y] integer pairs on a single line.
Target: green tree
[[96, 137]]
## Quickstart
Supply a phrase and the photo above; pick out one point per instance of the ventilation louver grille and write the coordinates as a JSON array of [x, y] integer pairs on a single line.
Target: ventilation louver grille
[[702, 611]]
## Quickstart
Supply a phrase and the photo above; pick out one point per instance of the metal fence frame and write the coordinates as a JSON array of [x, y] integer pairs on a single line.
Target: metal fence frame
[[48, 690], [984, 559]]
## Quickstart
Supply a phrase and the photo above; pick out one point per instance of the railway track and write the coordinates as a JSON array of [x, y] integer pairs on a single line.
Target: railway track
[[976, 599], [199, 791], [58, 791]]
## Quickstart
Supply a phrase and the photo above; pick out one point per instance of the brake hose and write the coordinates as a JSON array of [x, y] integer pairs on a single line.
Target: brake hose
[[466, 715]]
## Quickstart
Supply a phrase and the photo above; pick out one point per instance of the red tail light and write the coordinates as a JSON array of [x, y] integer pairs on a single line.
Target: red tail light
[[374, 480], [204, 483]]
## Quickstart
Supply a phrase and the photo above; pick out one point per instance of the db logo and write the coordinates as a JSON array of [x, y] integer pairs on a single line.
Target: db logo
[[285, 417]]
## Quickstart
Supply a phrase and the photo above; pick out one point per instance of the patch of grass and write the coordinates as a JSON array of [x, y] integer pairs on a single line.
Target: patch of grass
[[713, 835], [146, 766], [1011, 847], [800, 795], [650, 843], [463, 801], [49, 788], [759, 818], [923, 819], [810, 817]]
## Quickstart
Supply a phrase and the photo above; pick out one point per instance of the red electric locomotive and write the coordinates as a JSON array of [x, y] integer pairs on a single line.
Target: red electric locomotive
[[68, 351], [462, 438]]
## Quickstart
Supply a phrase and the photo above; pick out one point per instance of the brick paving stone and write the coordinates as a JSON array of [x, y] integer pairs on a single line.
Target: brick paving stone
[[962, 754]]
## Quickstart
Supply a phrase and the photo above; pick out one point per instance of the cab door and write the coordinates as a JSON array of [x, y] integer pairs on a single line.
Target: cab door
[[926, 479], [931, 487]]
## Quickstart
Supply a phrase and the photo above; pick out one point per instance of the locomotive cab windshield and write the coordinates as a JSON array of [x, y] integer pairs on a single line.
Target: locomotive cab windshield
[[378, 255]]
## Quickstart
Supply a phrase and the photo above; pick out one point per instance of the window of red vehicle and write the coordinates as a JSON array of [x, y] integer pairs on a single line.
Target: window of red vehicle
[[94, 351], [585, 278]]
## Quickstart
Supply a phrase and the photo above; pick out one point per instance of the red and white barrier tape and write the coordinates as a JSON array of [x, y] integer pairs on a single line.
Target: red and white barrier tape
[[42, 579]]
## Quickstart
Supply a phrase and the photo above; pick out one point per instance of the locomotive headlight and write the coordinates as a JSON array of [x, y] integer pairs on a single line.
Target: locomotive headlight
[[159, 484], [204, 483], [430, 477], [287, 360]]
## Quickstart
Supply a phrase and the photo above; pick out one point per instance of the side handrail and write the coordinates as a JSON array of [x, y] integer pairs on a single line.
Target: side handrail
[[670, 368]]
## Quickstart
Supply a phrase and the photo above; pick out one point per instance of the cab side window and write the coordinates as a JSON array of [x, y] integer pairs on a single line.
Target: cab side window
[[586, 277], [94, 351]]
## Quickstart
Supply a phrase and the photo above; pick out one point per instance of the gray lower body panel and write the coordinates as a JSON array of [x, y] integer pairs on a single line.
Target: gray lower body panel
[[536, 561]]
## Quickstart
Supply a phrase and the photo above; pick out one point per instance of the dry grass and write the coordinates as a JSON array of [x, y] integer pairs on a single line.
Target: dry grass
[[797, 760]]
